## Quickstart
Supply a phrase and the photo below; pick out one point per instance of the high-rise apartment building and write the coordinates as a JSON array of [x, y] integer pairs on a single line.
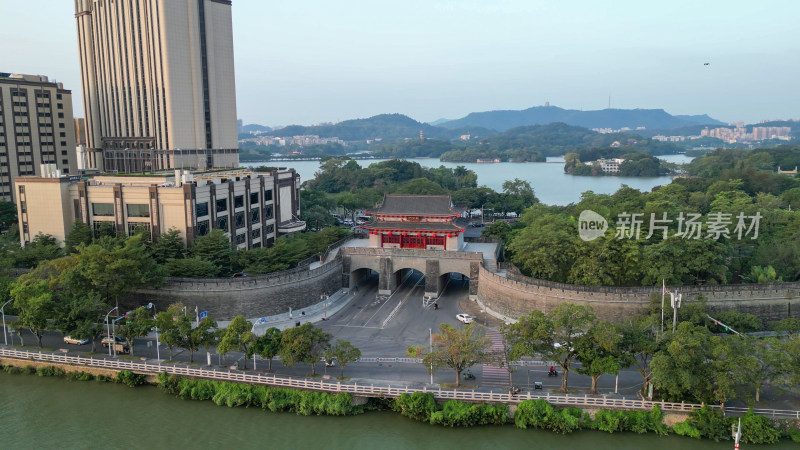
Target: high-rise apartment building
[[36, 129], [158, 83]]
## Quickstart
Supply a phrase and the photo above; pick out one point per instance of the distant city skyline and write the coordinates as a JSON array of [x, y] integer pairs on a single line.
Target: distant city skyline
[[312, 61]]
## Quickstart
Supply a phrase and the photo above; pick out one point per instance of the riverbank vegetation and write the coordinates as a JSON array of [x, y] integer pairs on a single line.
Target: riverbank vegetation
[[733, 221], [706, 423]]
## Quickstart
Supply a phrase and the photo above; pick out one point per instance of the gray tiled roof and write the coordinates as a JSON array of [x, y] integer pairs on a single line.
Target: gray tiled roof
[[428, 205]]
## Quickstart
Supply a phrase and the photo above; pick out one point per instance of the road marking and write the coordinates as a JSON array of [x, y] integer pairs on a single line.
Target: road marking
[[390, 297], [397, 308]]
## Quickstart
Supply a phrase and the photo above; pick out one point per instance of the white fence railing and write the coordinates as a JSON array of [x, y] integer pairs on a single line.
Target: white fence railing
[[372, 390]]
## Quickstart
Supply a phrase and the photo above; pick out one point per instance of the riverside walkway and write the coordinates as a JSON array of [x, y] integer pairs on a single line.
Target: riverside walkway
[[371, 390]]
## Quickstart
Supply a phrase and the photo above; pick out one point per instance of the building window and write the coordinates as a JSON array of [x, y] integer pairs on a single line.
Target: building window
[[23, 207], [254, 198], [255, 215], [268, 195], [137, 228], [103, 209], [238, 201], [255, 234], [202, 209], [138, 210], [268, 212], [202, 228], [222, 223], [60, 105], [239, 219], [61, 125], [222, 205], [240, 239], [270, 229]]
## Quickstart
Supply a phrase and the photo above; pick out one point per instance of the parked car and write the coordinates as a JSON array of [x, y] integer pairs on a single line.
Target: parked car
[[465, 318], [108, 340], [75, 341]]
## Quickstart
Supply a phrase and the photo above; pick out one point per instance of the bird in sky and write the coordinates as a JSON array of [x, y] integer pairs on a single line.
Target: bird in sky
[[705, 64]]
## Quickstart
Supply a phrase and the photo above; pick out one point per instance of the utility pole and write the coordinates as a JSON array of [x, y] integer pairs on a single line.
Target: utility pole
[[663, 292], [675, 299], [430, 347]]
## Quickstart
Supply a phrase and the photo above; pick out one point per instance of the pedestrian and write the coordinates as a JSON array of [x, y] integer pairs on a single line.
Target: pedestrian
[[435, 305], [356, 288]]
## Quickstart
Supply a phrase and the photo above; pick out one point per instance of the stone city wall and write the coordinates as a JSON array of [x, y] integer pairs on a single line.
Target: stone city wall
[[256, 296], [518, 295]]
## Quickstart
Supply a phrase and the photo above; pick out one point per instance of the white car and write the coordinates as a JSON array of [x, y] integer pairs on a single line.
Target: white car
[[76, 341], [465, 318]]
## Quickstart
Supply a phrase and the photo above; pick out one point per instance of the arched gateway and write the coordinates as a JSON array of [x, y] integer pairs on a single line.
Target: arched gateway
[[420, 232]]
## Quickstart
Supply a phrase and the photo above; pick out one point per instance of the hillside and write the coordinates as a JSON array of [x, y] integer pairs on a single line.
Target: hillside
[[254, 127], [605, 118], [383, 126]]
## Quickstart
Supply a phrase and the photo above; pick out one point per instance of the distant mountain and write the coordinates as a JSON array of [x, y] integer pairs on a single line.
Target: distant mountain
[[383, 126], [700, 119], [438, 122], [255, 127], [606, 118]]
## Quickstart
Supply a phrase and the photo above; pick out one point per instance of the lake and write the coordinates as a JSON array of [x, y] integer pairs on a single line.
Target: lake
[[50, 413], [551, 185]]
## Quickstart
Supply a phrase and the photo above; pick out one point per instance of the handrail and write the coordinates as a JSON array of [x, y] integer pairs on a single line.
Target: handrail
[[373, 390]]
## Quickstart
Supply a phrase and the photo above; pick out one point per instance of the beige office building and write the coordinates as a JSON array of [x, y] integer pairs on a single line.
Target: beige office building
[[36, 129], [251, 208], [158, 83]]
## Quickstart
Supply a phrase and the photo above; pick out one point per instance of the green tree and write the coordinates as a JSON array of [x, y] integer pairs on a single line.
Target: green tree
[[268, 345], [305, 344], [752, 363], [43, 247], [207, 335], [80, 316], [138, 323], [554, 336], [79, 234], [459, 349], [8, 215], [35, 304], [167, 323], [639, 344], [344, 352], [599, 353], [113, 269], [238, 337], [215, 248], [682, 369], [420, 186], [546, 247], [168, 246], [193, 267]]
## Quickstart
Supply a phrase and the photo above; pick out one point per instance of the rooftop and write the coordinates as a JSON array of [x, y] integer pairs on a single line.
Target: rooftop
[[422, 205]]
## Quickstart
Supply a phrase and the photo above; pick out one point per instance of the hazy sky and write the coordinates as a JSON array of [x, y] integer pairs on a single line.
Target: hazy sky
[[308, 61]]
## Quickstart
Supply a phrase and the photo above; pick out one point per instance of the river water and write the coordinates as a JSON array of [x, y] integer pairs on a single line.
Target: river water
[[551, 185], [53, 413]]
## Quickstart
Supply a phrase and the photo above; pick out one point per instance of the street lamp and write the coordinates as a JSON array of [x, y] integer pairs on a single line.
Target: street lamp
[[108, 330], [430, 346], [155, 317], [2, 311]]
